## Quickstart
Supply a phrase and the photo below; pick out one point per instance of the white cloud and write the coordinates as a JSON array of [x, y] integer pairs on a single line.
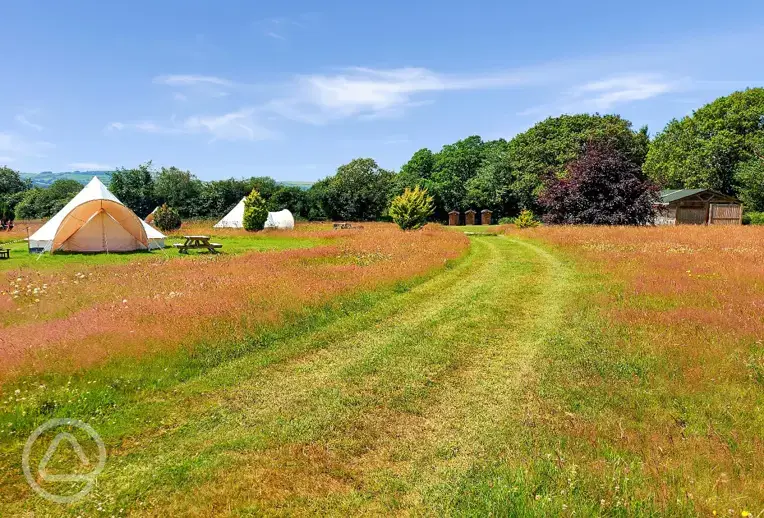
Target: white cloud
[[372, 93], [279, 28], [193, 86], [22, 119], [191, 80], [238, 125], [369, 93], [15, 146], [144, 127], [604, 94], [275, 35], [91, 166]]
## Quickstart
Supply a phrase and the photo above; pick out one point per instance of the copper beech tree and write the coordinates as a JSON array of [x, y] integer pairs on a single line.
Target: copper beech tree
[[602, 187]]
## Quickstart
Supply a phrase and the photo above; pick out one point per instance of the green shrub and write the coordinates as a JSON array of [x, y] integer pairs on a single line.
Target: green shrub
[[167, 219], [506, 220], [526, 219], [753, 218], [255, 211], [411, 209]]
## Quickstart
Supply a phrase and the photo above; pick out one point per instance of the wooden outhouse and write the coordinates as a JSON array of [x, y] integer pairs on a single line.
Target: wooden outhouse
[[453, 218], [698, 207], [485, 217], [469, 217]]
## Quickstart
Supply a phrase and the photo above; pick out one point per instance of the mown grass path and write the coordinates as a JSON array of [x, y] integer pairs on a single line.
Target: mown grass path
[[384, 411]]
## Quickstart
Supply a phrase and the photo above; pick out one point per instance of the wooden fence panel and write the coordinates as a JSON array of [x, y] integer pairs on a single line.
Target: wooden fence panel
[[690, 216], [725, 214]]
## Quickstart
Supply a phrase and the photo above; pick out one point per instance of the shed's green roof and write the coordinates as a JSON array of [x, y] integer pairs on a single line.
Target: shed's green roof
[[669, 195]]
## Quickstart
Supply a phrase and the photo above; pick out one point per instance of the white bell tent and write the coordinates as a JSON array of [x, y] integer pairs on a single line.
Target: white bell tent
[[282, 219], [95, 221], [234, 219]]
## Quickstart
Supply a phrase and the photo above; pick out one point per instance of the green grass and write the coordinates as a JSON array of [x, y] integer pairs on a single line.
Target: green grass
[[21, 258], [465, 393], [341, 381]]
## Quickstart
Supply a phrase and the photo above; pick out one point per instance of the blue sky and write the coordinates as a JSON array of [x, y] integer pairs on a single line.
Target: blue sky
[[294, 89]]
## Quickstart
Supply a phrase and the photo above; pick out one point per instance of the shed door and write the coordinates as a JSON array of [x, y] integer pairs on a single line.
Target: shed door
[[690, 215], [725, 214]]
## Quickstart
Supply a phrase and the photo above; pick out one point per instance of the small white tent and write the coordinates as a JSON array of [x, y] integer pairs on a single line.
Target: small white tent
[[282, 219], [233, 219], [95, 221]]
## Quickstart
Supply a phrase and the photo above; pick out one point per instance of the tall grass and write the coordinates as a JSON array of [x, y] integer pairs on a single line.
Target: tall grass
[[666, 365], [80, 316]]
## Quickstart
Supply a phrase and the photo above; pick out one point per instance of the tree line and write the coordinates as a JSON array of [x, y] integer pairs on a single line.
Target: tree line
[[585, 168]]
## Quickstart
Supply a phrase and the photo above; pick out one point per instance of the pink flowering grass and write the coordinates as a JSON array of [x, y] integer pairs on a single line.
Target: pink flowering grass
[[78, 317], [672, 369]]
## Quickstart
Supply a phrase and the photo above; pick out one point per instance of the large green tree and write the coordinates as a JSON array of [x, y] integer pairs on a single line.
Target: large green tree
[[750, 182], [218, 197], [178, 189], [265, 185], [547, 147], [414, 172], [12, 188], [490, 187], [292, 198], [454, 166], [712, 148], [360, 191], [316, 198], [11, 182], [39, 203], [135, 188]]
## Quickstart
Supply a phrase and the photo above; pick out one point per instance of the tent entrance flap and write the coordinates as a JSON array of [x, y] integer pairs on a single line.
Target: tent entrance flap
[[101, 233], [96, 225]]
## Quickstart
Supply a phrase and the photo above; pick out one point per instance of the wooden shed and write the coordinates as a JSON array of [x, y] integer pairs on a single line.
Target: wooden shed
[[469, 217], [698, 207], [485, 217], [453, 218]]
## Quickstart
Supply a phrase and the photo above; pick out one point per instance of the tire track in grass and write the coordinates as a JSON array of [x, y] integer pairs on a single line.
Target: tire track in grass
[[341, 393], [420, 459], [486, 404], [242, 404], [355, 416], [359, 419]]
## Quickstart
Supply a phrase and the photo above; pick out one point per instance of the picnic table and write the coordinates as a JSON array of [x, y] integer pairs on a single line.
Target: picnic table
[[5, 253], [197, 243]]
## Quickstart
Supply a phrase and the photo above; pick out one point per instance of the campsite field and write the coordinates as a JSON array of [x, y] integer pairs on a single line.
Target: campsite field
[[233, 241], [548, 371]]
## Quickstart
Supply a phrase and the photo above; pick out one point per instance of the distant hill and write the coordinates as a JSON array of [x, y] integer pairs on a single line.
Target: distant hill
[[302, 185], [46, 178]]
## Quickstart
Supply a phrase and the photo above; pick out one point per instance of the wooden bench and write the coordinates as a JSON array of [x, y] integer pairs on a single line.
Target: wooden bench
[[182, 246], [345, 226], [197, 243], [5, 253]]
